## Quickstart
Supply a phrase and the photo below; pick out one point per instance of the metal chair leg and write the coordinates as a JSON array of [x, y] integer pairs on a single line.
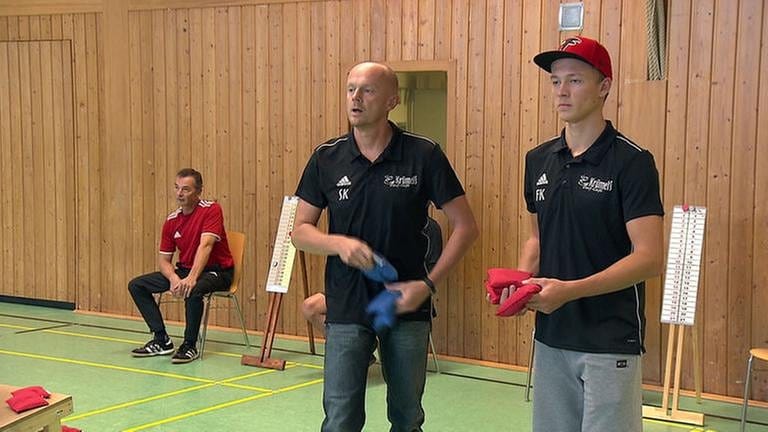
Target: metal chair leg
[[431, 324], [242, 321], [530, 367], [204, 331], [747, 383], [434, 353]]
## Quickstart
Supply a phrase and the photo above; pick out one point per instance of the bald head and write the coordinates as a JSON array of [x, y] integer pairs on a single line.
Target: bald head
[[379, 73], [372, 92]]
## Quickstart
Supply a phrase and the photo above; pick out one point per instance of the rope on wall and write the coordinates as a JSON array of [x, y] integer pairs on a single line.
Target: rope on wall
[[656, 29]]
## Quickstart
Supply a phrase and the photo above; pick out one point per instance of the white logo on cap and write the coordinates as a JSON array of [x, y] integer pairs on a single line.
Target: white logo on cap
[[572, 41]]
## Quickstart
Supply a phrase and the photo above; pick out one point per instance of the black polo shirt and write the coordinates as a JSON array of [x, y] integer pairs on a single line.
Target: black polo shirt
[[384, 204], [582, 205]]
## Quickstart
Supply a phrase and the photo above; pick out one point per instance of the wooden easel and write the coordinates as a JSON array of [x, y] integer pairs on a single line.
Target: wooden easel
[[305, 283], [664, 412], [278, 280], [264, 358], [679, 307], [275, 299]]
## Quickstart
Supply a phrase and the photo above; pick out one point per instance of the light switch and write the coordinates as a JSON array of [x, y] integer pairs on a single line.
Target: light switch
[[571, 16]]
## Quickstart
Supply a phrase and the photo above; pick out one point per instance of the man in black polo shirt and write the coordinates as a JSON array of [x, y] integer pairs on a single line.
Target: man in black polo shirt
[[313, 307], [377, 182], [596, 236]]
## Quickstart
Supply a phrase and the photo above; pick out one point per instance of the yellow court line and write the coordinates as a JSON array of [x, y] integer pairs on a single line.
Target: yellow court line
[[247, 387], [134, 342], [137, 402], [128, 404], [306, 365], [221, 406], [140, 371], [104, 338], [106, 366], [679, 425], [17, 327], [127, 341], [249, 375], [66, 333], [87, 336]]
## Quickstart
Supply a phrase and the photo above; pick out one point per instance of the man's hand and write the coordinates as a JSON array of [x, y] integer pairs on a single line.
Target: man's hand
[[184, 287], [414, 292], [174, 280], [505, 293], [554, 293], [355, 253]]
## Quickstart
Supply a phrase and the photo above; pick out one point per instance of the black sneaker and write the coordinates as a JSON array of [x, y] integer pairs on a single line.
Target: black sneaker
[[154, 348], [185, 354]]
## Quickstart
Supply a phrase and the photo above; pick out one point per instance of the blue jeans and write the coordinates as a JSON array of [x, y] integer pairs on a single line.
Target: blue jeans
[[348, 348]]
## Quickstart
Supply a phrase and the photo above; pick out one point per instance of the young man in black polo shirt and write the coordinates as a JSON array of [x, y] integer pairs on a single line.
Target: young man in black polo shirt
[[376, 182], [596, 236]]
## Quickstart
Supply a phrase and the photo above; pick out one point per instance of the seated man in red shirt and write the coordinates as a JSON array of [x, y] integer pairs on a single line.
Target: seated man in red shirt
[[196, 230]]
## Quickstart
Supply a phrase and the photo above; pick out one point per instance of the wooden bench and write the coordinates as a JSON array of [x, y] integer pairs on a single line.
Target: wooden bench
[[46, 418]]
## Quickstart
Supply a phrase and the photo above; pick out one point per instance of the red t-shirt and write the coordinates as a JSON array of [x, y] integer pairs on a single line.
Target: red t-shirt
[[183, 232]]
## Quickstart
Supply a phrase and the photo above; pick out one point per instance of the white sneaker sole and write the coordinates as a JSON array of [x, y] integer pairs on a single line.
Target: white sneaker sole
[[184, 360], [153, 354]]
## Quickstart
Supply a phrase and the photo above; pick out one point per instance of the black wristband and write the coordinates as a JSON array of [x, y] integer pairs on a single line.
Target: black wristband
[[430, 284]]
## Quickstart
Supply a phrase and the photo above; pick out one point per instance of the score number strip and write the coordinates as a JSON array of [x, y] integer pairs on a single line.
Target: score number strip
[[686, 242]]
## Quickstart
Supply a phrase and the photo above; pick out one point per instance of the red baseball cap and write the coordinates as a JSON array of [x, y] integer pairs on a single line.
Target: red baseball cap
[[580, 48]]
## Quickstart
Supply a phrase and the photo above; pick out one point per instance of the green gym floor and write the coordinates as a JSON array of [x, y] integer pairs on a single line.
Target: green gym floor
[[87, 357]]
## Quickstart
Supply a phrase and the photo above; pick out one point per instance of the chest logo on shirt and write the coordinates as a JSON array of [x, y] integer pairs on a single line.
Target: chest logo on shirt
[[177, 235], [394, 181], [344, 181], [542, 180], [593, 184]]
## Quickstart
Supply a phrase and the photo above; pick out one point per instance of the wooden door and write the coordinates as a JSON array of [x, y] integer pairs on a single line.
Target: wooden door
[[37, 173]]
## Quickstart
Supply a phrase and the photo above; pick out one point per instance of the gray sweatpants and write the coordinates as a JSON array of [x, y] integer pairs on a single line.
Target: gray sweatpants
[[583, 392]]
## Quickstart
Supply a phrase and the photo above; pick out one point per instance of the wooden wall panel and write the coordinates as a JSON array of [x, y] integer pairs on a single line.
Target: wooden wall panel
[[511, 348], [473, 176], [741, 221], [250, 176], [491, 171], [673, 174], [245, 90], [6, 201], [718, 191], [457, 153], [528, 133], [262, 170], [758, 293]]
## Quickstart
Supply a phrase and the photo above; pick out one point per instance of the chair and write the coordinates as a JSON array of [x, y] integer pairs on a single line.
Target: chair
[[762, 354], [236, 241]]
